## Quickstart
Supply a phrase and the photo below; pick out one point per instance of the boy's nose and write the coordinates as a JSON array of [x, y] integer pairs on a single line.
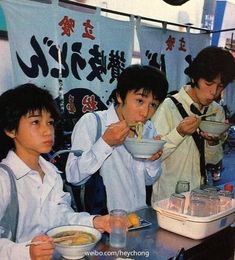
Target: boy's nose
[[47, 129], [213, 90], [144, 112]]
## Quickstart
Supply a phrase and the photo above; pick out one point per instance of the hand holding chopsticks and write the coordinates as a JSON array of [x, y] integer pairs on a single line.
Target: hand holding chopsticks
[[41, 247]]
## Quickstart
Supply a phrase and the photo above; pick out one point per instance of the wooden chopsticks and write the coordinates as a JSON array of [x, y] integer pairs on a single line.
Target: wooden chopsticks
[[56, 240]]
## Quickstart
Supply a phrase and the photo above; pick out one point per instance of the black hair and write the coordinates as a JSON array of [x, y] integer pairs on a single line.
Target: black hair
[[136, 77], [17, 102], [211, 62]]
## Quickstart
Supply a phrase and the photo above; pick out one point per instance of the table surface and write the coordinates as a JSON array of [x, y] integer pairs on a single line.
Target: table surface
[[153, 242]]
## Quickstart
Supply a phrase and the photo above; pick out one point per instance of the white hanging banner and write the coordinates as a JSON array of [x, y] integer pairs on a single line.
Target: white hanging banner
[[169, 50], [85, 51], [229, 98]]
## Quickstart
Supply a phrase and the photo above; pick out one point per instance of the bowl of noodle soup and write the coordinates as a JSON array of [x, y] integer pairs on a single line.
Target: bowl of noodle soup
[[143, 148], [74, 241], [214, 128]]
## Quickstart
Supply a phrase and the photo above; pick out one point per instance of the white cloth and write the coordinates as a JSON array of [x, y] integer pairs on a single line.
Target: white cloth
[[124, 176], [42, 205], [180, 159], [229, 97]]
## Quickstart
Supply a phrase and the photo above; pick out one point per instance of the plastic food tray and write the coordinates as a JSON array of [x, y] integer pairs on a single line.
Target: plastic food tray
[[190, 226]]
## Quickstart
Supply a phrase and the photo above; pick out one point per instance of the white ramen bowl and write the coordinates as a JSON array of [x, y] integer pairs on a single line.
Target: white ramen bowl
[[213, 128], [143, 148], [74, 251]]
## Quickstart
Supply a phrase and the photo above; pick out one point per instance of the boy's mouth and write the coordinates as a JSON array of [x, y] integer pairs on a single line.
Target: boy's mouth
[[49, 142]]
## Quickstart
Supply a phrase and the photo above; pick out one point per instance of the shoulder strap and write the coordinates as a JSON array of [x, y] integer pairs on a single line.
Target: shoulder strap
[[199, 141], [79, 152], [98, 135], [99, 126], [11, 215], [179, 106], [184, 114]]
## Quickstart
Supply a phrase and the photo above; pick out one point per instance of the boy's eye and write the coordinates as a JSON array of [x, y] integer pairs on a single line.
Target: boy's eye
[[51, 122], [154, 106], [35, 122], [210, 83], [220, 86], [140, 101]]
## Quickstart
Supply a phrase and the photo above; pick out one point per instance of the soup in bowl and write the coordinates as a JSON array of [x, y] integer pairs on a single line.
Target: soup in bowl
[[73, 242]]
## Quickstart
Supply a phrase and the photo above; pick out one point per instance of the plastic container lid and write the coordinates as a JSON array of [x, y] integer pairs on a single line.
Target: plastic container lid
[[192, 226]]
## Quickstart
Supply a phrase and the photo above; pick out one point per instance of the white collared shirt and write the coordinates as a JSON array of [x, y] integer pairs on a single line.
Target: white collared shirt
[[42, 205], [124, 176]]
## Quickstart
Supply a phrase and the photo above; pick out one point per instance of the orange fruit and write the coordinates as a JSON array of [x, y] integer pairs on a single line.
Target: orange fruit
[[133, 220]]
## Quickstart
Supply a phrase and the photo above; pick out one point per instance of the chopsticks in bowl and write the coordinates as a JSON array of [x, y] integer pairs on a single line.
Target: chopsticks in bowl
[[209, 114], [55, 240], [206, 115]]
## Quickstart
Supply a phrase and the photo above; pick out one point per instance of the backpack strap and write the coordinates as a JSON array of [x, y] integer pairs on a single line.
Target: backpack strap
[[198, 139], [99, 126], [179, 106], [98, 135], [11, 215], [79, 152]]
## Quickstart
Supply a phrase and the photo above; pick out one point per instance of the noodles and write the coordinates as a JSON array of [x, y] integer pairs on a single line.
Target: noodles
[[139, 128], [74, 238]]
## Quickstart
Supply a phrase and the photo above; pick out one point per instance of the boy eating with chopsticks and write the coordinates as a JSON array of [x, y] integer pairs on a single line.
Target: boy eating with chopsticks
[[139, 92]]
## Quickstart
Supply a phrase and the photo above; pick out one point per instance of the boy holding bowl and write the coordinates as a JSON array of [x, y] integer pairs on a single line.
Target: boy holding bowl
[[140, 90]]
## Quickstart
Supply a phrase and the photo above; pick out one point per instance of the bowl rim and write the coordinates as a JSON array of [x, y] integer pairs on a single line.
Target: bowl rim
[[216, 122], [76, 226], [143, 140]]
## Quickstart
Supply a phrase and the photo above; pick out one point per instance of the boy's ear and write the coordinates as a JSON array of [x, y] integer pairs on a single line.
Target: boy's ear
[[118, 98], [11, 133]]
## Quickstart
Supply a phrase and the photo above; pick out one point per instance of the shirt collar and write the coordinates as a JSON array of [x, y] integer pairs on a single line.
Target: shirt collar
[[20, 168], [112, 116], [188, 99]]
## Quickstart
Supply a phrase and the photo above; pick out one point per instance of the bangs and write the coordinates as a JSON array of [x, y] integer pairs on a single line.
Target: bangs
[[146, 92]]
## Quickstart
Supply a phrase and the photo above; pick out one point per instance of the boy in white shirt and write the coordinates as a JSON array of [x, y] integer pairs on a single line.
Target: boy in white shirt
[[27, 131], [140, 90]]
